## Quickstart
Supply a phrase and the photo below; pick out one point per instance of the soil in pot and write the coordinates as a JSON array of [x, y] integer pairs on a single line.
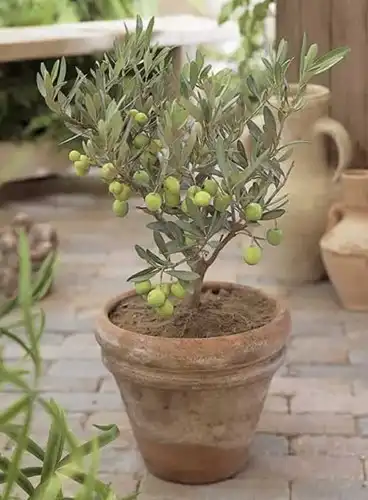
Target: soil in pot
[[221, 312]]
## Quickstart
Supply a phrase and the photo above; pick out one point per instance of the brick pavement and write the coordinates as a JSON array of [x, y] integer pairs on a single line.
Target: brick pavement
[[312, 440]]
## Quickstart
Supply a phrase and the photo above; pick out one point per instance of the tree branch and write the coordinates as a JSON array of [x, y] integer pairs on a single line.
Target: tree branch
[[231, 235]]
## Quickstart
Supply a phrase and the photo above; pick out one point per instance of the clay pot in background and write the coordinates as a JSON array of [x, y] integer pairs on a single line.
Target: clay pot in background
[[194, 403], [344, 246], [310, 189]]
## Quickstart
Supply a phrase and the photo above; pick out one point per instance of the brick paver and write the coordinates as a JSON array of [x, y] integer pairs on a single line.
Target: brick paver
[[312, 440], [322, 489]]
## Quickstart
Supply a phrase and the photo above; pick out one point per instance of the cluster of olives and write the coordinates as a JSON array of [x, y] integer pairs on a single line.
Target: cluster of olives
[[253, 254], [157, 296], [119, 190], [81, 163], [141, 142], [171, 195], [201, 197]]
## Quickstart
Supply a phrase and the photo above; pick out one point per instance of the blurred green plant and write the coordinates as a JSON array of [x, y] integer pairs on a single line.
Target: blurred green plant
[[41, 12], [251, 18], [36, 12], [63, 457], [23, 114]]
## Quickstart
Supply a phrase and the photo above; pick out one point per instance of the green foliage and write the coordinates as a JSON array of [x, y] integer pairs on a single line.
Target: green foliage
[[36, 12], [251, 22], [23, 114], [63, 456], [41, 12], [193, 137]]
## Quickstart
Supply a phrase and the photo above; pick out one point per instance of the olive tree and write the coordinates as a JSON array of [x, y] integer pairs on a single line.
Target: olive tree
[[181, 152]]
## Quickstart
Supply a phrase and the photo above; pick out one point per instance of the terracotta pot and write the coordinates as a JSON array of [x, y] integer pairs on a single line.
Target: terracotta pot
[[309, 188], [194, 404], [344, 246]]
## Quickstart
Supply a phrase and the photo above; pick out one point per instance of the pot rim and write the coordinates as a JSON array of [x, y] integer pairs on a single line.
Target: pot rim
[[209, 353], [104, 319]]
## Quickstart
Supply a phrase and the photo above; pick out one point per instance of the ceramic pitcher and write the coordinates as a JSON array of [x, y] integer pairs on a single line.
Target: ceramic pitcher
[[344, 246], [310, 190]]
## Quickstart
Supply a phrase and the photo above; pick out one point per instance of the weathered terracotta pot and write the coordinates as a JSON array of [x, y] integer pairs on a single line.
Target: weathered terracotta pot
[[344, 246], [194, 404]]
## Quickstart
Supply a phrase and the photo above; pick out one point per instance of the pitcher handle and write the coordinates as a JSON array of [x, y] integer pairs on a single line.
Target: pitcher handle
[[335, 215], [339, 134]]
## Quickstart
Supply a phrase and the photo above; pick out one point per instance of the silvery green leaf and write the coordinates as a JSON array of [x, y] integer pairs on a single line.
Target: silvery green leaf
[[225, 13], [206, 110], [254, 130], [116, 126], [160, 242], [154, 259], [192, 109], [281, 51], [269, 120], [90, 107], [303, 52], [48, 85], [183, 275], [199, 59], [310, 56], [175, 230], [193, 74], [274, 214], [327, 61], [141, 252], [222, 159], [144, 275], [174, 247], [43, 69], [62, 72], [55, 70], [252, 86], [158, 226], [241, 148], [189, 228], [195, 213], [41, 85]]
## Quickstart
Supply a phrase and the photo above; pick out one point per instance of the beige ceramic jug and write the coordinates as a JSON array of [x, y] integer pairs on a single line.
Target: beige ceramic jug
[[310, 190], [345, 245]]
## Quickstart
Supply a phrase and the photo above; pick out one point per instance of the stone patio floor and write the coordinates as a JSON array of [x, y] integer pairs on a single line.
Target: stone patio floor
[[312, 440]]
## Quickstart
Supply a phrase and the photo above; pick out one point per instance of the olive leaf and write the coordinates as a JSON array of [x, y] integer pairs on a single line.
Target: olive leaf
[[274, 214], [183, 275], [144, 275]]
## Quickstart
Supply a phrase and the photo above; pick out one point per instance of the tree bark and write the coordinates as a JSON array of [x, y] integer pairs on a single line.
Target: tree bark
[[195, 298]]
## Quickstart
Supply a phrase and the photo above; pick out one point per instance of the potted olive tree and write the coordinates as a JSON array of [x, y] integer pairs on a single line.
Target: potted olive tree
[[193, 359]]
